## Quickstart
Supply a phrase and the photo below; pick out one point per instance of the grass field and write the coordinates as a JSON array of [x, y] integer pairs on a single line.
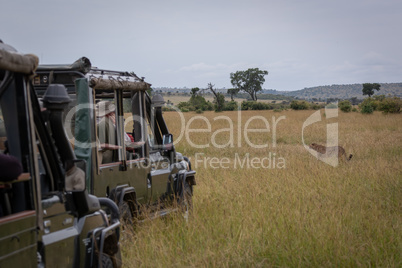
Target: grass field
[[303, 213]]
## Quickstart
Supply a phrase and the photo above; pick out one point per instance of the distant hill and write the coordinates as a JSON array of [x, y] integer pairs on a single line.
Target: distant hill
[[319, 92], [342, 91]]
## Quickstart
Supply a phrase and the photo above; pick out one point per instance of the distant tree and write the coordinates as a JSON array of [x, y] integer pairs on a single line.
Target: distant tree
[[232, 92], [368, 88], [219, 98], [194, 91], [196, 102], [219, 102], [249, 81]]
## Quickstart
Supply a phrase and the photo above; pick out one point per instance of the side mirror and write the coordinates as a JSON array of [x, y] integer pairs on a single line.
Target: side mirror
[[75, 177], [151, 141], [167, 142]]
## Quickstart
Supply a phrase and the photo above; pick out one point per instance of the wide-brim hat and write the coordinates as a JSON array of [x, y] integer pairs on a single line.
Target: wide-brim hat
[[104, 108]]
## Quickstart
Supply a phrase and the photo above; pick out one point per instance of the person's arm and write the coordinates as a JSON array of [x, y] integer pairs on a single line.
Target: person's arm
[[107, 146], [134, 145], [104, 138]]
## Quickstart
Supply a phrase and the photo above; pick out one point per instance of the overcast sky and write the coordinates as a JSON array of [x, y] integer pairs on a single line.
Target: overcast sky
[[190, 43]]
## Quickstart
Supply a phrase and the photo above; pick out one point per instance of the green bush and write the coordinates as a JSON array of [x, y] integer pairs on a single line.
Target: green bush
[[199, 102], [372, 102], [254, 105], [345, 106], [368, 106], [246, 105], [230, 106], [261, 106], [366, 109], [315, 106], [199, 111], [196, 102], [299, 105], [208, 106], [185, 106], [390, 105]]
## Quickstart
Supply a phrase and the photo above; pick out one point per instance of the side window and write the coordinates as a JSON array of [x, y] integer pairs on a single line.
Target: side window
[[110, 144], [134, 139]]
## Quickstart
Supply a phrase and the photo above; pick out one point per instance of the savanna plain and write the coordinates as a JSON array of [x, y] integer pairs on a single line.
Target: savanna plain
[[296, 212]]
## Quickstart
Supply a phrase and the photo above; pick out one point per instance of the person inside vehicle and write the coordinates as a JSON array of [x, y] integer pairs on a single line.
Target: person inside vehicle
[[107, 131], [107, 134]]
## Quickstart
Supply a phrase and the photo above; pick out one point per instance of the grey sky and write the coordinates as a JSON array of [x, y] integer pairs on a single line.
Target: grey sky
[[190, 43]]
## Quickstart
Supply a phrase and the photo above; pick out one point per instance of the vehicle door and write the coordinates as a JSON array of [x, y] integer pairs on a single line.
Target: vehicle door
[[160, 168], [18, 219], [128, 165], [159, 159], [59, 234]]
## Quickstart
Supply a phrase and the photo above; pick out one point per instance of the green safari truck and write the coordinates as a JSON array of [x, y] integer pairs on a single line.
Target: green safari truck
[[144, 174], [47, 217]]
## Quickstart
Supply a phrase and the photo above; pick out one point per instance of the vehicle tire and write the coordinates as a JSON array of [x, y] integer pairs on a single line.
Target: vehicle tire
[[106, 261], [185, 199], [126, 216]]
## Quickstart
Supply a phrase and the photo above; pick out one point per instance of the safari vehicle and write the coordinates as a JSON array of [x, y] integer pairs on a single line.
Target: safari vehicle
[[47, 217], [148, 174]]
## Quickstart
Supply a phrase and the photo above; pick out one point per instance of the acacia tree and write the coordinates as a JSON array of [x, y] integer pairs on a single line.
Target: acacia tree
[[194, 91], [219, 98], [233, 92], [368, 88], [249, 81]]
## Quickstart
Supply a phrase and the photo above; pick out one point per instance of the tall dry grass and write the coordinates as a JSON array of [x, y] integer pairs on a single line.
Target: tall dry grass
[[306, 214]]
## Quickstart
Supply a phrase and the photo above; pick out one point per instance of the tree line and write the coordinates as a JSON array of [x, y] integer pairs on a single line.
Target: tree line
[[250, 82]]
